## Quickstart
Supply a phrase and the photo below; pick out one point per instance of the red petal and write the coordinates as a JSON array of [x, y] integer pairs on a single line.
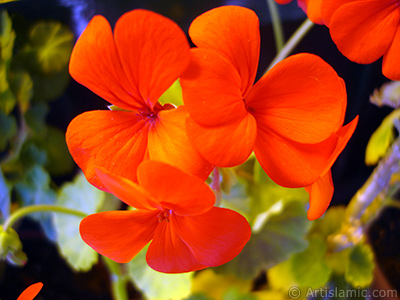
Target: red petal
[[329, 8], [126, 190], [174, 189], [119, 235], [95, 64], [31, 291], [154, 52], [321, 193], [293, 164], [168, 142], [169, 254], [211, 89], [363, 30], [301, 98], [234, 32], [214, 237], [112, 139], [341, 137], [283, 1], [391, 60], [313, 10], [224, 146]]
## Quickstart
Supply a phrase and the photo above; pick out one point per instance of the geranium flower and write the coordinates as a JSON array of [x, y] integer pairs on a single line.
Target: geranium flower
[[131, 70], [30, 292], [288, 118], [321, 191], [311, 7], [175, 211], [364, 31]]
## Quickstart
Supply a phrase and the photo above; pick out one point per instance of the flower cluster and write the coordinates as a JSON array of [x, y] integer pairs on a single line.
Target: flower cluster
[[155, 157], [363, 31]]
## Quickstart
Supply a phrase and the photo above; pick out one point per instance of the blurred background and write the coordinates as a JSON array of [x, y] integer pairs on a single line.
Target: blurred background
[[55, 99]]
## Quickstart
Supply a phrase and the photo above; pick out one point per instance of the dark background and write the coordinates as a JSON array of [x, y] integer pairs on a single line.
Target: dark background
[[349, 172]]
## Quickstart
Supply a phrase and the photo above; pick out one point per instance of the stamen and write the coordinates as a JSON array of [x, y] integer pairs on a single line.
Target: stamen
[[164, 215]]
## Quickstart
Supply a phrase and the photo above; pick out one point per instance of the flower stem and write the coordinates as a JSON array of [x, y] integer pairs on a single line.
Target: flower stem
[[361, 210], [378, 182], [276, 25], [118, 281], [292, 42], [22, 212], [117, 278], [216, 186]]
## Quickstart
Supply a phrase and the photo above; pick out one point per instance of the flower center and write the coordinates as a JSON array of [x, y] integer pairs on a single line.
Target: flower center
[[150, 115], [164, 215]]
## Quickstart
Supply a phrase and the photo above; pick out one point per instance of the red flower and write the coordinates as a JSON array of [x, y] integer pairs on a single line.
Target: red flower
[[288, 118], [321, 191], [131, 69], [311, 7], [364, 31], [175, 210], [30, 292]]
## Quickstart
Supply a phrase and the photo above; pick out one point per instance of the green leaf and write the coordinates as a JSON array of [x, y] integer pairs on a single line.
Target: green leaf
[[235, 294], [381, 139], [82, 196], [11, 247], [7, 37], [35, 189], [155, 285], [265, 192], [35, 117], [277, 233], [172, 95], [7, 98], [52, 44], [31, 155], [309, 267], [22, 86], [330, 222], [58, 159], [48, 87], [199, 296], [359, 267], [8, 129]]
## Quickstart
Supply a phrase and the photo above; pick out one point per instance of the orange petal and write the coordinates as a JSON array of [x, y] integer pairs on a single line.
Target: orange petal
[[168, 142], [364, 30], [115, 140], [119, 235], [211, 89], [31, 291], [342, 136], [154, 51], [224, 146], [174, 189], [329, 8], [169, 254], [234, 32], [391, 60], [301, 98], [321, 193], [95, 64], [214, 237], [313, 10], [126, 190], [293, 164]]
